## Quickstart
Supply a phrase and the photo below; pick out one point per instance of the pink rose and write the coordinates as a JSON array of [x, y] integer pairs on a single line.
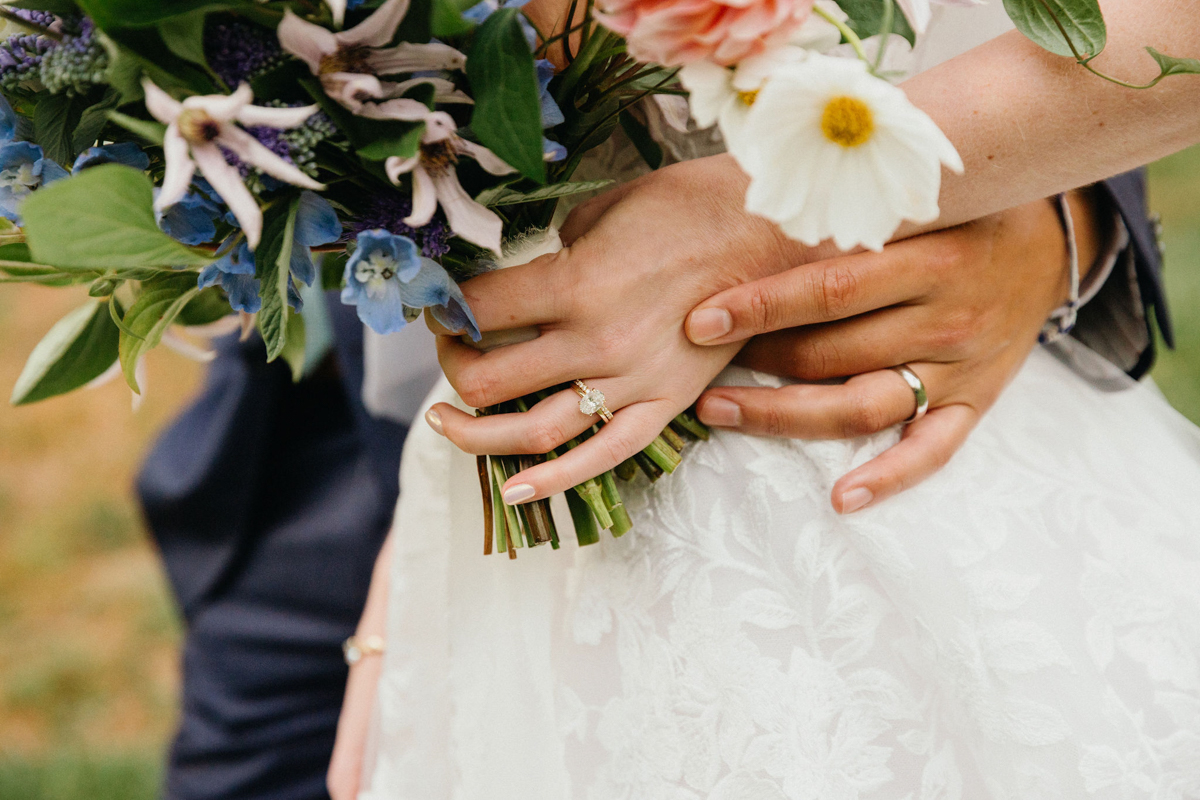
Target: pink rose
[[673, 32]]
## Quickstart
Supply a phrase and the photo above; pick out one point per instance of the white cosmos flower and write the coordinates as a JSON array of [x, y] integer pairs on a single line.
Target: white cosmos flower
[[434, 182], [348, 62], [833, 152], [200, 126], [723, 96]]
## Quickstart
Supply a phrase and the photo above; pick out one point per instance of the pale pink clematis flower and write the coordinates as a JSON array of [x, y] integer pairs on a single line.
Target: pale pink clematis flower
[[200, 126], [435, 182], [348, 62], [674, 32], [338, 9]]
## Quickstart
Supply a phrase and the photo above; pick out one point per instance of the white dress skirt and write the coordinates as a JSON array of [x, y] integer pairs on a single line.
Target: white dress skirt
[[1023, 625]]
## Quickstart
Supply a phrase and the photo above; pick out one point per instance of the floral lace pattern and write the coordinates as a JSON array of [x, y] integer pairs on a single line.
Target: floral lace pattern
[[1026, 624]]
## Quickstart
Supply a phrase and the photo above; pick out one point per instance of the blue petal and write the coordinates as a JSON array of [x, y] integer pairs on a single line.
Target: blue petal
[[401, 249], [50, 171], [480, 11], [551, 114], [434, 289], [301, 265], [127, 153], [294, 298], [8, 121], [316, 221], [238, 261], [14, 154], [192, 220], [383, 314], [9, 202], [242, 290], [552, 151]]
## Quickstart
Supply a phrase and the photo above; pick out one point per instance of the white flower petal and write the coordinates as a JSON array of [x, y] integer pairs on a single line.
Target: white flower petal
[[352, 89], [470, 220], [412, 57], [308, 42], [486, 158], [179, 172], [282, 118], [396, 166], [444, 91], [917, 12], [710, 88], [338, 9], [221, 107], [378, 29], [424, 198], [161, 105], [401, 108], [228, 184], [253, 152]]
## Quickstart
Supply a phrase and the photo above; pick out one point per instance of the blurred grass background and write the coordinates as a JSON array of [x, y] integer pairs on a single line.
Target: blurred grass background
[[88, 632]]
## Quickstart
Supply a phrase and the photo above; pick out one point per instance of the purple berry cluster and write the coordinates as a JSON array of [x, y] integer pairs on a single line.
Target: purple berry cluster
[[387, 211], [21, 57], [238, 51]]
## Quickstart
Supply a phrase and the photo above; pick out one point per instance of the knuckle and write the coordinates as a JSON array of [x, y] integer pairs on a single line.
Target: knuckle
[[865, 414], [957, 329], [762, 304], [545, 436], [813, 359], [837, 291], [477, 388], [618, 446]]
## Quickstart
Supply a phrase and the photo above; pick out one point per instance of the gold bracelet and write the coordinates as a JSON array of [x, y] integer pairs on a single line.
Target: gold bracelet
[[355, 649]]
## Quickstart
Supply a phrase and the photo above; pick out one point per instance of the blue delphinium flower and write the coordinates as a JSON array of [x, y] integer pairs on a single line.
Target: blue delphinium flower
[[234, 272], [23, 168], [316, 224], [551, 114], [126, 153], [193, 220], [387, 275], [485, 8], [8, 121]]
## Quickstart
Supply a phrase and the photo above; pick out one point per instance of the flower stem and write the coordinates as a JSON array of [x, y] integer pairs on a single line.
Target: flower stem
[[688, 423], [622, 524], [663, 455], [847, 34], [885, 32]]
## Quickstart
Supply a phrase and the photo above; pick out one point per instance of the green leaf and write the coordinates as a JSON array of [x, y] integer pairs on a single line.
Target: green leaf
[[405, 145], [647, 148], [417, 23], [293, 350], [503, 196], [507, 116], [1173, 65], [78, 349], [866, 18], [272, 265], [184, 36], [110, 208], [151, 53], [155, 309], [448, 20], [141, 14], [57, 7], [1080, 20], [205, 308], [52, 126], [124, 71], [92, 121], [150, 130]]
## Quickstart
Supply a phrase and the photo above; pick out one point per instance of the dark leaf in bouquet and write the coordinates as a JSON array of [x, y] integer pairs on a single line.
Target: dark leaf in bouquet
[[403, 145], [293, 352], [866, 19], [113, 14], [111, 215], [272, 262], [154, 311], [59, 7], [1064, 27], [639, 134], [281, 81], [205, 308], [417, 25], [503, 196], [155, 58], [54, 121], [508, 112], [92, 121], [184, 36], [150, 130], [78, 349], [448, 21]]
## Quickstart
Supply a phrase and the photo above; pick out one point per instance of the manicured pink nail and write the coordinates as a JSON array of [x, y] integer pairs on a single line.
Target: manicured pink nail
[[720, 412], [518, 493], [435, 421], [854, 499], [708, 324]]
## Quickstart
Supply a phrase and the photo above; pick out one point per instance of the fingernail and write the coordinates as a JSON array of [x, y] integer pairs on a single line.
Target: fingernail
[[518, 493], [854, 499], [435, 420], [708, 324], [720, 412]]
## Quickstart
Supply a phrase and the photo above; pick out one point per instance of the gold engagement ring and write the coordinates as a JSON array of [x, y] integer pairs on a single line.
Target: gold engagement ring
[[591, 401]]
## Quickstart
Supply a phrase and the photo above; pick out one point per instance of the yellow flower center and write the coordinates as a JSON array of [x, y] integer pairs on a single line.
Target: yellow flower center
[[847, 121], [346, 59], [748, 97], [437, 157], [197, 127]]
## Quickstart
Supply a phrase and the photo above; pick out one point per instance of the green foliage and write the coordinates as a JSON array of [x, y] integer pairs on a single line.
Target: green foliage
[[206, 307], [272, 263], [156, 307], [503, 196], [184, 36], [404, 145], [54, 121], [112, 223], [150, 130], [1060, 25], [448, 20], [1171, 65], [79, 348], [113, 14], [92, 121], [294, 348], [866, 19], [507, 116]]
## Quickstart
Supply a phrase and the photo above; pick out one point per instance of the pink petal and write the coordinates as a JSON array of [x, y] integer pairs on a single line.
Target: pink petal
[[424, 198], [252, 151], [486, 158], [228, 184], [409, 57], [443, 90], [161, 105], [180, 169], [221, 107], [468, 219], [276, 117], [378, 29], [338, 7], [306, 41], [402, 108], [439, 126], [397, 166], [351, 89]]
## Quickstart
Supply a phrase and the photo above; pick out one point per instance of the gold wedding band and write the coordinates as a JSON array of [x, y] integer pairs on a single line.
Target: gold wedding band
[[918, 387], [591, 401]]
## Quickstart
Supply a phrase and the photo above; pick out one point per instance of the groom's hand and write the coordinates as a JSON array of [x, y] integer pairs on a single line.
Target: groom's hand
[[962, 307]]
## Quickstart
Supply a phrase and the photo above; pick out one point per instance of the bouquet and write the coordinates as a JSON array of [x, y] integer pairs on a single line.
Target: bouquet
[[207, 165]]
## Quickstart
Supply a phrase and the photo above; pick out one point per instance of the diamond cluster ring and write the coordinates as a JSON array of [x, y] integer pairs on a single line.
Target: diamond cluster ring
[[591, 401]]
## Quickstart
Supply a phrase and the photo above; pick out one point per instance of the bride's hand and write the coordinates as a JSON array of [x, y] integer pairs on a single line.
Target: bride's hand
[[962, 307], [610, 310]]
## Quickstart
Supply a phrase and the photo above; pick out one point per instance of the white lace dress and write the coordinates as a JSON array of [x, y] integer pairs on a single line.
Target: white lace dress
[[1025, 624]]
